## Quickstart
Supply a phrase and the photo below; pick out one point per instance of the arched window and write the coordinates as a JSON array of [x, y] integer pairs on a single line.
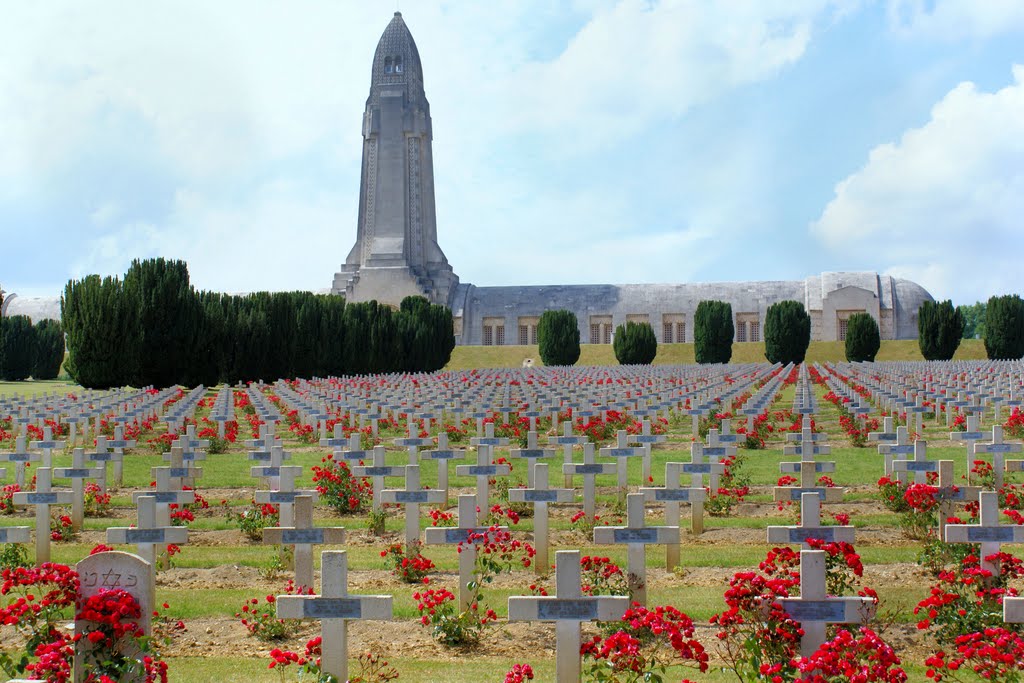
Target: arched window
[[388, 65], [398, 64]]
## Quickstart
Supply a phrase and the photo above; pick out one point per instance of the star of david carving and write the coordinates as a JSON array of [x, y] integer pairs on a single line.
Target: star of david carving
[[106, 579]]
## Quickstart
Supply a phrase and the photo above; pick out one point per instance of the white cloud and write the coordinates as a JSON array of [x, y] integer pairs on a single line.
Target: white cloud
[[945, 203], [956, 19]]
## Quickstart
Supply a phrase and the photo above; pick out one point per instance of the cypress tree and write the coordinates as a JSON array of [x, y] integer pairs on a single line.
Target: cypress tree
[[332, 336], [787, 332], [19, 348], [713, 331], [49, 350], [940, 328], [558, 338], [862, 338], [164, 333], [99, 323], [1004, 327], [635, 344]]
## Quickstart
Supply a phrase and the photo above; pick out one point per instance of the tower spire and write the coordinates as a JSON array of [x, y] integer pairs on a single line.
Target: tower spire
[[396, 251]]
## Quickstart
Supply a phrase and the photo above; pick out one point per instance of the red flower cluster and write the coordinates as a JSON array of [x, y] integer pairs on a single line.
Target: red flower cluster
[[648, 642]]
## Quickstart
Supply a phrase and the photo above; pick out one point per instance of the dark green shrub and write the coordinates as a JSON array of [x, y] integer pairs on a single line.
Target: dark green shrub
[[558, 338], [100, 325], [787, 332], [18, 341], [713, 332], [165, 310], [939, 329], [49, 350], [635, 344], [862, 338], [1004, 327]]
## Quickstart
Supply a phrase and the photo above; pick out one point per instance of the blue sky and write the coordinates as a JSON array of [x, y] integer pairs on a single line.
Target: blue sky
[[583, 141]]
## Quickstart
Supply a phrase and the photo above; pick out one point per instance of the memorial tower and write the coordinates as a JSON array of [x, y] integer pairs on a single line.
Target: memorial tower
[[396, 252]]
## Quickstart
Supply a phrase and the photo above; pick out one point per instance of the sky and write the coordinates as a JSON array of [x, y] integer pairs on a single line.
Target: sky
[[575, 141]]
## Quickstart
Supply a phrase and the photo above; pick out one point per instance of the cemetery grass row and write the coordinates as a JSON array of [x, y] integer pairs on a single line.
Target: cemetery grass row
[[229, 475]]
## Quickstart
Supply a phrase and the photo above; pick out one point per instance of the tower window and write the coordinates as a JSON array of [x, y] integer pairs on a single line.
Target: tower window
[[389, 65], [398, 64]]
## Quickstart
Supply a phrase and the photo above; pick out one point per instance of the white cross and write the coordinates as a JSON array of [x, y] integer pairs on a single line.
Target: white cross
[[118, 444], [808, 470], [302, 536], [918, 465], [588, 469], [467, 550], [949, 494], [147, 534], [901, 447], [78, 473], [539, 494], [42, 498], [646, 441], [969, 438], [810, 526], [442, 454], [47, 446], [378, 471], [672, 494], [636, 536], [814, 609], [567, 441], [998, 448], [531, 454], [483, 470], [988, 531], [412, 496], [286, 494], [20, 457], [568, 609], [621, 452], [334, 607]]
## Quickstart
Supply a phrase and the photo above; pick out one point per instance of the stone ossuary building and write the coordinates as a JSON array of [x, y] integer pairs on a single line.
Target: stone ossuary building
[[396, 252]]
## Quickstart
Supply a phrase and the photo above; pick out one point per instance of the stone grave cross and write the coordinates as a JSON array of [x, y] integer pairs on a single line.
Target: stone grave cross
[[918, 465], [539, 494], [78, 473], [567, 441], [621, 452], [118, 444], [442, 454], [302, 536], [697, 469], [20, 457], [588, 469], [460, 535], [998, 448], [900, 447], [636, 536], [814, 609], [969, 438], [377, 471], [147, 535], [42, 498], [949, 494], [532, 453], [988, 531], [810, 526], [334, 607], [412, 496], [285, 495], [483, 470], [47, 446], [672, 494], [568, 608]]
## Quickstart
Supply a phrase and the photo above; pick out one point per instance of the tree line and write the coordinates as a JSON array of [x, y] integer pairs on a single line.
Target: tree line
[[28, 350], [153, 328]]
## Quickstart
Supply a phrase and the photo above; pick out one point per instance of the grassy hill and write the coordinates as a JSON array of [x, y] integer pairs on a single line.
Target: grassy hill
[[467, 357]]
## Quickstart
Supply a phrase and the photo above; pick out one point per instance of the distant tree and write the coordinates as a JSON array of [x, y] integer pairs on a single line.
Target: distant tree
[[635, 344], [787, 332], [862, 338], [974, 320], [940, 327], [49, 353], [1004, 327], [558, 337], [713, 332], [19, 348], [163, 335], [100, 324]]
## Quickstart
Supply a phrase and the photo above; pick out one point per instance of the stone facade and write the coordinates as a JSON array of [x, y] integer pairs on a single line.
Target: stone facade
[[830, 298]]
